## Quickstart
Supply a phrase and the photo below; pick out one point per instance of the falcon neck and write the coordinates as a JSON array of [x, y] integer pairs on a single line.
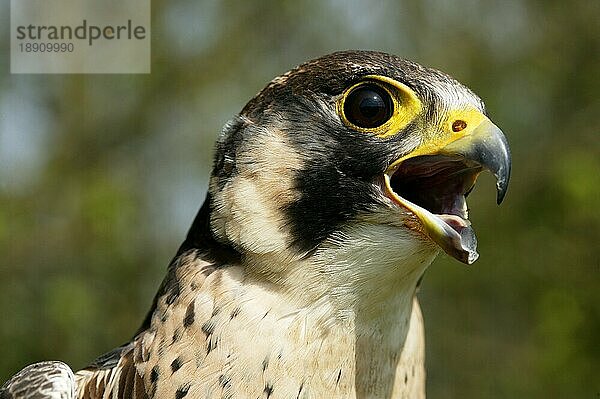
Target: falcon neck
[[358, 287], [375, 315]]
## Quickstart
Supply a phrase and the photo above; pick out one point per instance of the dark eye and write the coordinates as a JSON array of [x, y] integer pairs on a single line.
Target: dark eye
[[368, 106]]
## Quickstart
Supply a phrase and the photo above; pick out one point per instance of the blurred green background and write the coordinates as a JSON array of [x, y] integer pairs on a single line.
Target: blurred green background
[[100, 177]]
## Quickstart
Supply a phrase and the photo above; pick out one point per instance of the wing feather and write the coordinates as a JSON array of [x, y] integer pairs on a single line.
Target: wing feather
[[112, 376], [43, 380]]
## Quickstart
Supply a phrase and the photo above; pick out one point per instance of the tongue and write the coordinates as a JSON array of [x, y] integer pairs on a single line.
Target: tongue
[[462, 239], [454, 221], [461, 242]]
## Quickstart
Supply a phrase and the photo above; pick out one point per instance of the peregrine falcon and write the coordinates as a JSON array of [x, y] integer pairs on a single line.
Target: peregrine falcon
[[331, 192]]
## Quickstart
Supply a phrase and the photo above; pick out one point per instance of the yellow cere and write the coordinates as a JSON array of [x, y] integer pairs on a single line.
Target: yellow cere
[[471, 117], [406, 106]]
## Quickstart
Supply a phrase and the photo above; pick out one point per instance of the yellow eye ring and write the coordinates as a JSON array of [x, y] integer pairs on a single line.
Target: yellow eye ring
[[378, 105]]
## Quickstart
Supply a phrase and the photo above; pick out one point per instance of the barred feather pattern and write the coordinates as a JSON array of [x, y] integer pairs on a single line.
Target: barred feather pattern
[[43, 380]]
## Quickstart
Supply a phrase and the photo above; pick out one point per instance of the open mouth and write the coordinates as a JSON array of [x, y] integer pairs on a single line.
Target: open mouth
[[433, 181], [434, 188], [438, 183]]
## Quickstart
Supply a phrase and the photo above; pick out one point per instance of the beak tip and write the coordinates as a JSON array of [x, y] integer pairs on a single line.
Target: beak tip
[[502, 179], [501, 193]]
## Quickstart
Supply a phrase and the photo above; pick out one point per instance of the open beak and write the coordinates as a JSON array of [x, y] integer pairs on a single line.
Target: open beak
[[434, 180]]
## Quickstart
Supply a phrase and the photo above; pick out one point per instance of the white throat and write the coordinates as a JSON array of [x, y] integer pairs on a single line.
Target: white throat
[[363, 281], [373, 271]]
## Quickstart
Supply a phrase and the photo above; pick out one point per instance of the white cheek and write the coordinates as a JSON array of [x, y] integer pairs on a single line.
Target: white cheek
[[249, 206], [254, 223]]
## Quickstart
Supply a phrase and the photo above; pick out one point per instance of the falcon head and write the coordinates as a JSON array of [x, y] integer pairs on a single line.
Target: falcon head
[[355, 148]]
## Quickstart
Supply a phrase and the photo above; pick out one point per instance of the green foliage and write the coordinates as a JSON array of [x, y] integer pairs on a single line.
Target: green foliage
[[111, 170]]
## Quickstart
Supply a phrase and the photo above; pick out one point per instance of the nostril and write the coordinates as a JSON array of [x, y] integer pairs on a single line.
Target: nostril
[[458, 125]]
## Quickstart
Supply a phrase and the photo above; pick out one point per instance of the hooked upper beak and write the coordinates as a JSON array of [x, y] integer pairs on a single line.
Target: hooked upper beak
[[488, 147], [433, 181]]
